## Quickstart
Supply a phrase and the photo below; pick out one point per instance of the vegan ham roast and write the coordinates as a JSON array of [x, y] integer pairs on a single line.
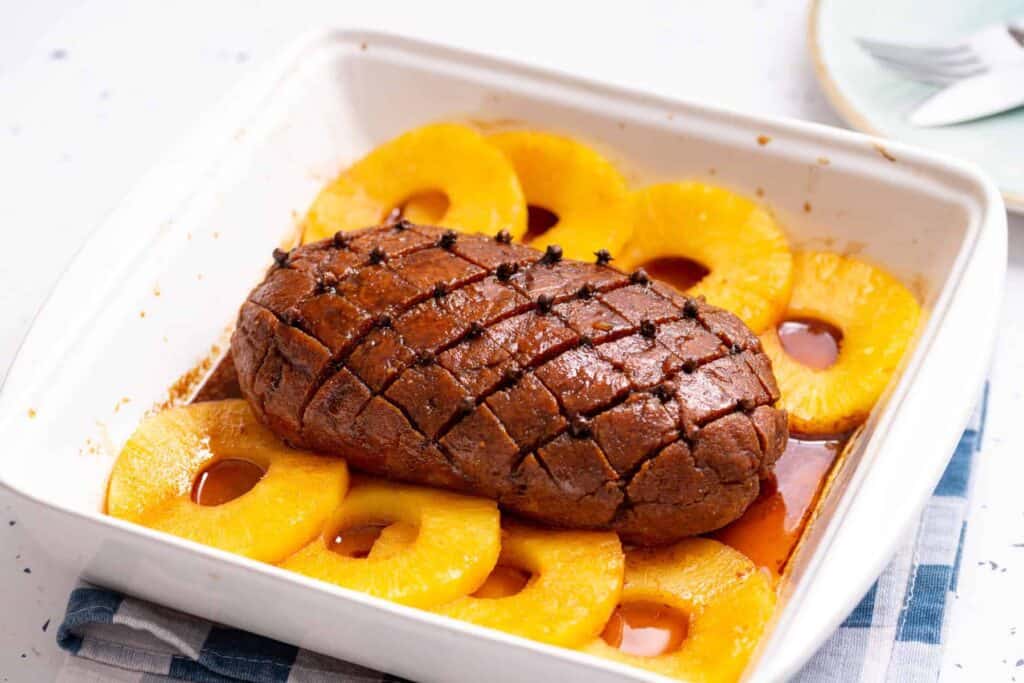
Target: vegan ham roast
[[572, 393]]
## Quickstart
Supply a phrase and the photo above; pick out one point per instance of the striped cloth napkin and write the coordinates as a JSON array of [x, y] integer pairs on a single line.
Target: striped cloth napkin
[[893, 635]]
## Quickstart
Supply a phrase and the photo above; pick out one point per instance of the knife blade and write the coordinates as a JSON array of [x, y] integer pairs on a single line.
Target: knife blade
[[973, 98]]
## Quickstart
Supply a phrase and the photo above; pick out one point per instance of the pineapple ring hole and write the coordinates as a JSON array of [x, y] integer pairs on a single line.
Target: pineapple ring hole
[[680, 272], [646, 629], [356, 541], [538, 221], [224, 480], [811, 342], [502, 582], [427, 207]]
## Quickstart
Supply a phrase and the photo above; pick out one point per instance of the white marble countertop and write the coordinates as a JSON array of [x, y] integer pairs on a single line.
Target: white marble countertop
[[94, 93]]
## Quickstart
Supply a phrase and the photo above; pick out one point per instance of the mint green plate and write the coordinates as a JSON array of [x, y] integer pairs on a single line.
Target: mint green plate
[[877, 101]]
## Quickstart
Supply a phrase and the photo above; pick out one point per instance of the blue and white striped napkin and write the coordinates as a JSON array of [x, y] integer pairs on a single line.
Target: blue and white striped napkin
[[893, 635]]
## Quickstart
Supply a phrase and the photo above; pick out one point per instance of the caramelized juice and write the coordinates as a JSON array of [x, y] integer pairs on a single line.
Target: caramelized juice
[[502, 582], [768, 531], [771, 527], [357, 541], [646, 629], [225, 480], [811, 342], [681, 273], [221, 384], [538, 221]]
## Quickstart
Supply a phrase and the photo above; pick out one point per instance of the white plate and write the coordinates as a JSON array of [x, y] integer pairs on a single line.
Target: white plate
[[876, 101], [158, 282]]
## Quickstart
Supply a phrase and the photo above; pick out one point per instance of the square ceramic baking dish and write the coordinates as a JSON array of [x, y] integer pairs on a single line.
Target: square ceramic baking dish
[[156, 285]]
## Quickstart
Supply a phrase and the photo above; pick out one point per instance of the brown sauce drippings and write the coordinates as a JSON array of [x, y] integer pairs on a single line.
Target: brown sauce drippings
[[682, 273], [222, 383], [502, 582], [813, 343], [771, 527], [767, 533], [357, 541], [646, 629], [225, 480], [538, 221]]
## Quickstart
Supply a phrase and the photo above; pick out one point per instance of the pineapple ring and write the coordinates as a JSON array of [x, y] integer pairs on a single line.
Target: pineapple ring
[[393, 538], [456, 545], [576, 183], [877, 316], [746, 252], [727, 599], [427, 208], [576, 582], [152, 481], [481, 186]]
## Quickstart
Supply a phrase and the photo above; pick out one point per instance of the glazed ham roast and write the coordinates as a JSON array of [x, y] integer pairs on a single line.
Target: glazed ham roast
[[572, 393]]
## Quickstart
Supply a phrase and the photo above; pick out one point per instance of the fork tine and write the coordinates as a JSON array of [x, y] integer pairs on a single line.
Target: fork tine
[[944, 68], [928, 50], [916, 74], [946, 71], [966, 60]]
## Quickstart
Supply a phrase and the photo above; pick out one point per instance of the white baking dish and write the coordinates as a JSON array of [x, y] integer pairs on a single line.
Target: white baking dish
[[158, 282]]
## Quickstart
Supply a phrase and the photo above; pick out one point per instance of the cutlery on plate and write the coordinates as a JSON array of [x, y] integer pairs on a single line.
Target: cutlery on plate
[[988, 93], [945, 62]]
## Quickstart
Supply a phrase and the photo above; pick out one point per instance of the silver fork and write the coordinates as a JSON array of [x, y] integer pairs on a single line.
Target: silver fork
[[942, 63]]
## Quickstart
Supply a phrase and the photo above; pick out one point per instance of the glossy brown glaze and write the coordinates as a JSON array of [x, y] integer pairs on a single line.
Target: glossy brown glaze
[[538, 221], [225, 480], [811, 342], [769, 530], [681, 273], [572, 393], [646, 629], [221, 384]]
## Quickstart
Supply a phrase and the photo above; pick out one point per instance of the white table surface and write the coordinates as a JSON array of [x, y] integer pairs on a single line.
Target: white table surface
[[93, 93]]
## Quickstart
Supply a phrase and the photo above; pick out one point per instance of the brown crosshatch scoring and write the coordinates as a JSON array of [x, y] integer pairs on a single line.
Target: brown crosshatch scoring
[[567, 326]]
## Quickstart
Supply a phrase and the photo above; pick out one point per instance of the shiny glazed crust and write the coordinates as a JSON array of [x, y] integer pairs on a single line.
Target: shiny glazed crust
[[572, 393]]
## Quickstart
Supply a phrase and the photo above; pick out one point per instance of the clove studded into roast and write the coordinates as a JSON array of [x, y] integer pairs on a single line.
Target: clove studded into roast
[[570, 392]]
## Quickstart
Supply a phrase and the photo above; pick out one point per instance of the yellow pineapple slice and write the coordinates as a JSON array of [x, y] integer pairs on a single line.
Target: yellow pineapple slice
[[480, 185], [579, 186], [575, 584], [746, 253], [454, 547], [876, 316], [393, 539], [427, 208], [725, 599], [153, 477]]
